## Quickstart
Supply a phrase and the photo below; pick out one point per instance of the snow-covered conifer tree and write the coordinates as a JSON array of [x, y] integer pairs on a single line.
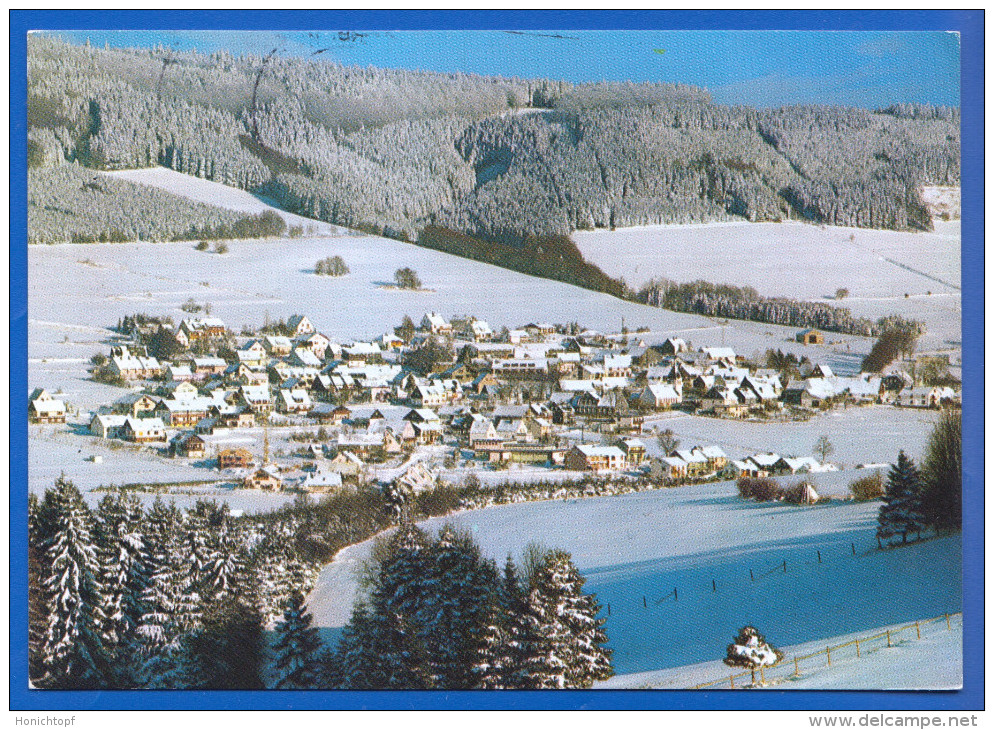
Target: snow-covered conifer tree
[[901, 511], [498, 663], [125, 566], [74, 655], [564, 641], [171, 603], [298, 649], [458, 603]]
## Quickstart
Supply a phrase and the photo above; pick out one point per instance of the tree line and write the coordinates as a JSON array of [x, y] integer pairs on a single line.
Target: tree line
[[744, 302], [121, 597]]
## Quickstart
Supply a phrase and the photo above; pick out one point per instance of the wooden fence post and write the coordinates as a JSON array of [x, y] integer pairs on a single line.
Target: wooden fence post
[[828, 653], [880, 545], [784, 566], [751, 576], [645, 603], [676, 597], [857, 649], [762, 675], [853, 547], [918, 628], [731, 680], [609, 609], [797, 672], [819, 556], [888, 637], [950, 628], [714, 586]]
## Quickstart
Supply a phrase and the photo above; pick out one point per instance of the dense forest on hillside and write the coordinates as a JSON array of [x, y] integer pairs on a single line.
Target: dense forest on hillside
[[502, 160], [70, 203]]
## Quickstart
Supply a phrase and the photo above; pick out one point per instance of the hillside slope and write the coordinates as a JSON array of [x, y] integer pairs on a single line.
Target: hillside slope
[[636, 549], [394, 151]]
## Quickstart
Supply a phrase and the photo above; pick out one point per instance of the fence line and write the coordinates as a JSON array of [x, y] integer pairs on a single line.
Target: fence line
[[798, 561], [780, 568], [860, 644]]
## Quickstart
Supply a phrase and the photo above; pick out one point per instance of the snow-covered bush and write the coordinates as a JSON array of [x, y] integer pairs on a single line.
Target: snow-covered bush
[[751, 650], [866, 488], [761, 489]]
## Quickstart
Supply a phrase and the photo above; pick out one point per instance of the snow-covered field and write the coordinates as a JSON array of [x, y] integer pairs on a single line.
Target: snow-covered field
[[53, 451], [865, 435], [900, 666], [640, 547], [801, 261]]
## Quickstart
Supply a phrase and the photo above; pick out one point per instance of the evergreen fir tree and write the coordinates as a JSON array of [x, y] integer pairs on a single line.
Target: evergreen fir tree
[[171, 603], [564, 644], [125, 562], [37, 604], [460, 589], [125, 565], [74, 655], [298, 648], [37, 616], [901, 511], [355, 664], [226, 651], [751, 650]]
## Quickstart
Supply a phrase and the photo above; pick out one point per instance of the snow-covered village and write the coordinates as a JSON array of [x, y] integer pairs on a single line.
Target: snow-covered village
[[316, 404]]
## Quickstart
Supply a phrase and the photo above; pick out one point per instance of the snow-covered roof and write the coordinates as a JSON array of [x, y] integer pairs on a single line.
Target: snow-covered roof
[[601, 451], [765, 460]]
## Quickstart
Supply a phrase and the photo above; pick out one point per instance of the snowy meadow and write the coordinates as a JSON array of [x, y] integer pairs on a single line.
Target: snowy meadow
[[635, 550]]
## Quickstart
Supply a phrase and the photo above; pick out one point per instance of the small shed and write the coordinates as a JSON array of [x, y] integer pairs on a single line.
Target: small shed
[[810, 337]]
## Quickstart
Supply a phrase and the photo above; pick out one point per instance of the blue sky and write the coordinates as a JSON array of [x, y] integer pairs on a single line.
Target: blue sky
[[758, 68]]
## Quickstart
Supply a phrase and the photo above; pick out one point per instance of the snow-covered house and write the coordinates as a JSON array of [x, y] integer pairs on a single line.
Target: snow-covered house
[[133, 367], [673, 467], [188, 446], [697, 462], [418, 478], [208, 365], [107, 426], [179, 373], [304, 357], [277, 345], [477, 330], [43, 408], [724, 354], [143, 430], [322, 480], [267, 477], [346, 464], [299, 325], [673, 346], [634, 451], [296, 401], [659, 396], [194, 330], [257, 398], [318, 344], [762, 464], [252, 353], [435, 324], [585, 457], [234, 459]]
